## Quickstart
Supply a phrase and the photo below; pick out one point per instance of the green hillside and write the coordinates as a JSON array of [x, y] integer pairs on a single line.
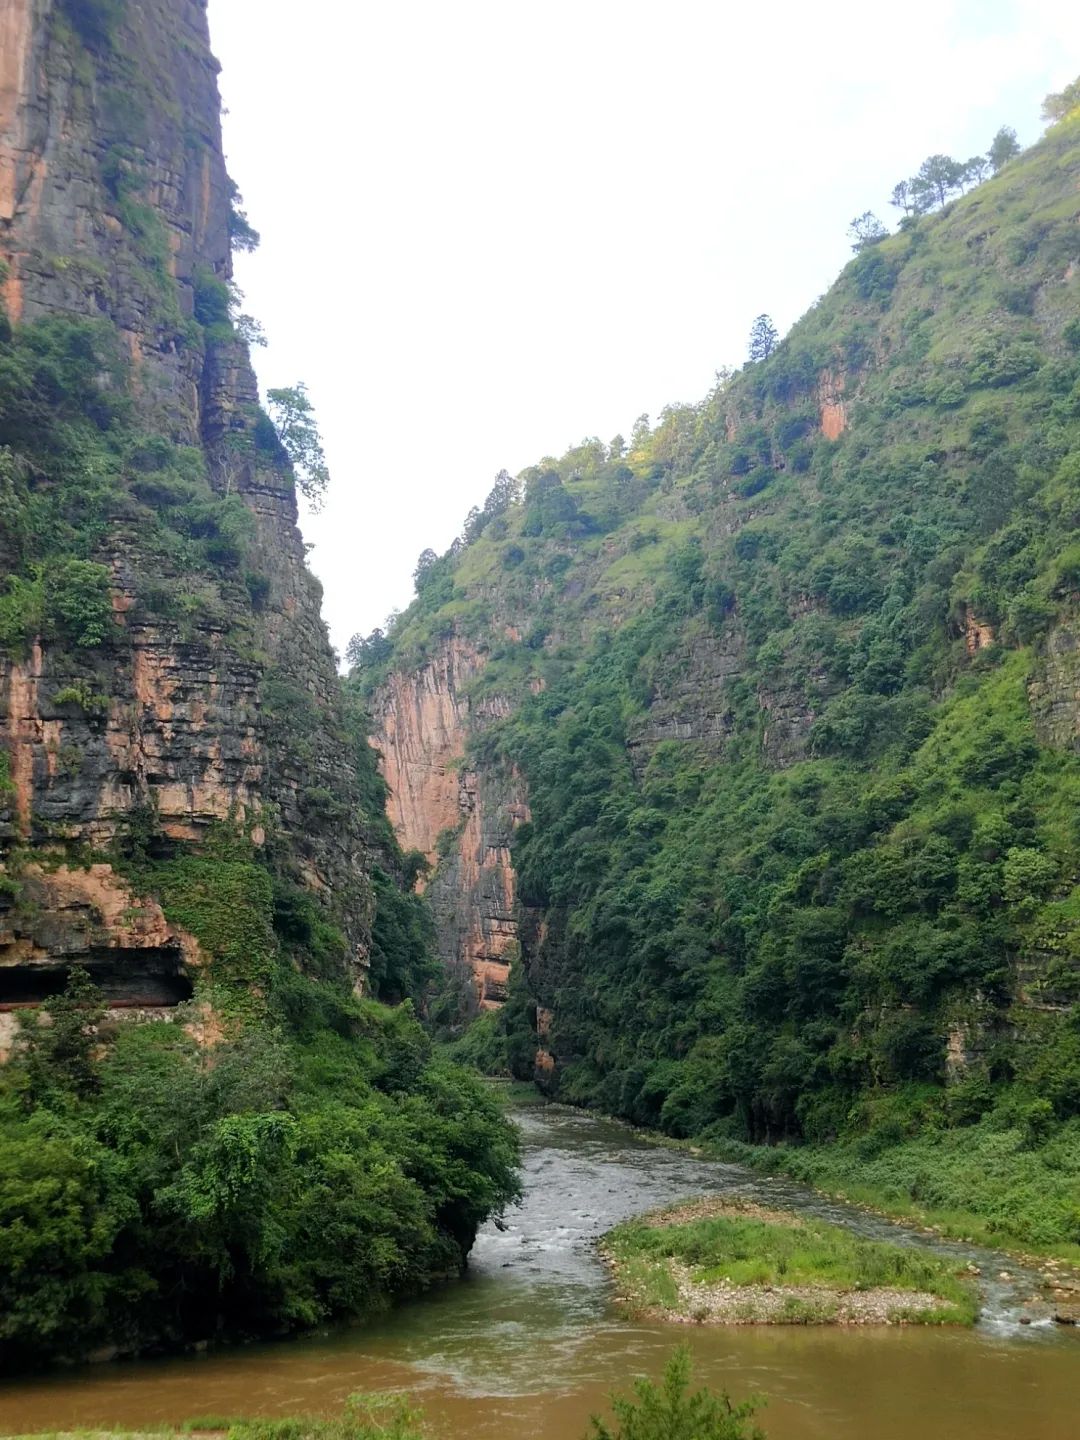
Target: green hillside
[[796, 696]]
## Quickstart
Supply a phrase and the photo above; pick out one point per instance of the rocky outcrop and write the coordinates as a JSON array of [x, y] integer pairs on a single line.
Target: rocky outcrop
[[461, 819], [692, 701], [977, 633], [473, 890], [92, 918], [115, 206], [832, 407], [1054, 690], [102, 136], [689, 700]]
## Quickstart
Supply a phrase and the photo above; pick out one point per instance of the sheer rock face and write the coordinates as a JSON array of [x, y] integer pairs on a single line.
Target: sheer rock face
[[461, 819], [114, 204], [424, 719], [1054, 691], [76, 115], [832, 404]]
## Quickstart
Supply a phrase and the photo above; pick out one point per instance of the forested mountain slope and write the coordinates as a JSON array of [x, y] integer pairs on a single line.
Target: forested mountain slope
[[191, 826], [790, 687]]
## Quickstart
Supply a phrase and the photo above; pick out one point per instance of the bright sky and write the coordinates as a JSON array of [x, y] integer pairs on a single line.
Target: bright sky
[[492, 228]]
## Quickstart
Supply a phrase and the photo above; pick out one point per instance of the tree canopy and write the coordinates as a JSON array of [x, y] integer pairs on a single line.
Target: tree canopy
[[764, 338], [293, 415]]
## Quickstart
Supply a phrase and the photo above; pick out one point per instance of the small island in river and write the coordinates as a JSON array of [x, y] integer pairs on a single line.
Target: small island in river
[[723, 1260]]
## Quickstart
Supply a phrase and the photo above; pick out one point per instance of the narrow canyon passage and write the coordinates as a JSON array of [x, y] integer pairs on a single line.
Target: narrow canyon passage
[[530, 1342]]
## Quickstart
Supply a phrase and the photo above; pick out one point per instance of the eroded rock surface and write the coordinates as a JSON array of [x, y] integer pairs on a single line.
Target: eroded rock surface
[[115, 205], [461, 819]]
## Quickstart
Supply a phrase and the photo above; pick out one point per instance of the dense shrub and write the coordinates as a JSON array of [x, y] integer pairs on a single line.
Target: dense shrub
[[149, 1194]]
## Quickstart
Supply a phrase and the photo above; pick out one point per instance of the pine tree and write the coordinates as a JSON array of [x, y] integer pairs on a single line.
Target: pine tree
[[1003, 147], [764, 338], [866, 229]]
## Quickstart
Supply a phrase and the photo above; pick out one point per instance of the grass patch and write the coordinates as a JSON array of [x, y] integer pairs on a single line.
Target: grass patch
[[365, 1417], [721, 1260]]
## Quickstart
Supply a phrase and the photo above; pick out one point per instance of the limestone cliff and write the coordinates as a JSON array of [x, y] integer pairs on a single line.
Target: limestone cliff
[[214, 697], [460, 818]]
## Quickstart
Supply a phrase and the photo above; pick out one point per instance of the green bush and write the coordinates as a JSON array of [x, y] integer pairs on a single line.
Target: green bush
[[78, 602], [211, 299], [672, 1411], [483, 1045], [66, 599]]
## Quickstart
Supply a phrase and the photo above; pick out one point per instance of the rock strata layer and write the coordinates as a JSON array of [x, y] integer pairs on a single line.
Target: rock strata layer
[[462, 819], [115, 207]]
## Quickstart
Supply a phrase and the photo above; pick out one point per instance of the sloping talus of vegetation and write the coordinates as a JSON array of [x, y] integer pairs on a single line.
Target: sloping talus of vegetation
[[794, 681]]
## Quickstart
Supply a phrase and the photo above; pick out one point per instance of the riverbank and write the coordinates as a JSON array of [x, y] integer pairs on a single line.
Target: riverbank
[[1027, 1193], [529, 1343], [980, 1185], [1003, 1182], [1028, 1204], [365, 1417], [725, 1260]]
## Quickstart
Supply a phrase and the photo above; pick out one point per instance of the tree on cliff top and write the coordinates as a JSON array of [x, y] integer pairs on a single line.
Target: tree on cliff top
[[1058, 107], [294, 420], [935, 180], [1003, 148], [764, 338], [865, 230]]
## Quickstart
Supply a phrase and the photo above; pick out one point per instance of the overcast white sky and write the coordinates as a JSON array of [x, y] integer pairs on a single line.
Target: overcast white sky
[[491, 228]]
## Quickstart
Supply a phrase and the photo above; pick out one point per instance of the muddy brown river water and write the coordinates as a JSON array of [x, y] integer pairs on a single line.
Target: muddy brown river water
[[529, 1343]]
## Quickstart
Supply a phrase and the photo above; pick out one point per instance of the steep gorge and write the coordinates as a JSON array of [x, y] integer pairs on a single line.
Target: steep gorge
[[461, 819], [788, 683]]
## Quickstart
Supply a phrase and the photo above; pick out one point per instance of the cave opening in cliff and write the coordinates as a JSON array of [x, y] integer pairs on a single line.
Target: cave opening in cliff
[[142, 982]]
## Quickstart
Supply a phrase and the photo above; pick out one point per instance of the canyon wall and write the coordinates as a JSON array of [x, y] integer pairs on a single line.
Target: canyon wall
[[460, 818], [794, 680], [214, 700]]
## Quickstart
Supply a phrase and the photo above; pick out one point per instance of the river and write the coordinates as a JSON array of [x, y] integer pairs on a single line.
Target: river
[[529, 1343]]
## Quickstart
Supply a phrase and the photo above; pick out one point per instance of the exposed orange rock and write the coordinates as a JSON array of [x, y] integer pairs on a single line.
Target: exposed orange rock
[[424, 720], [24, 730], [976, 634], [90, 916], [22, 172], [206, 1029], [421, 740], [96, 909], [834, 416], [166, 720], [15, 32], [9, 1035]]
